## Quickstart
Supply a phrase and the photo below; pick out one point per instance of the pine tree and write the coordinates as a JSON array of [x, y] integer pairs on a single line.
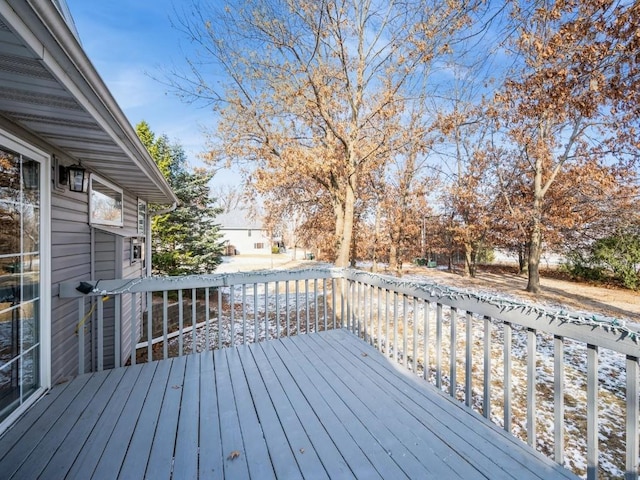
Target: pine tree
[[187, 240]]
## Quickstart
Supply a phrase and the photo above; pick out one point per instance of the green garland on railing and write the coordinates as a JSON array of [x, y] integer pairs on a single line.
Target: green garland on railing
[[614, 325]]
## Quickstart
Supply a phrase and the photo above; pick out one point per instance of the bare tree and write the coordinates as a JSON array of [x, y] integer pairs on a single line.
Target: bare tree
[[304, 88]]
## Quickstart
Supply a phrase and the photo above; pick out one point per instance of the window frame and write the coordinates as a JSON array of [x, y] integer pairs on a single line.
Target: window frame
[[115, 223]]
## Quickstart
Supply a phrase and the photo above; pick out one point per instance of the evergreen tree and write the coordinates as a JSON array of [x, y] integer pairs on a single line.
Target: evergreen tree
[[187, 240]]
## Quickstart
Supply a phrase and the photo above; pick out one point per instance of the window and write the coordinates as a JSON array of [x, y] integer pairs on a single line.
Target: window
[[249, 232], [105, 203], [258, 246], [142, 217]]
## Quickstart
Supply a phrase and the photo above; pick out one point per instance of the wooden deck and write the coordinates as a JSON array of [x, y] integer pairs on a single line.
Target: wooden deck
[[323, 405]]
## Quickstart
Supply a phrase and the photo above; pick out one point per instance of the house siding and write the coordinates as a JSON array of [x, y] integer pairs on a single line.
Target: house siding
[[71, 261], [245, 240]]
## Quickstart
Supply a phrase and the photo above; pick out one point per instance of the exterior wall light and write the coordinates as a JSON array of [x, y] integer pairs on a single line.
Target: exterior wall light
[[76, 178]]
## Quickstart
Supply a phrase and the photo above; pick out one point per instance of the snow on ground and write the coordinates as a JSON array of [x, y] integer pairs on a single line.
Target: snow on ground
[[284, 312]]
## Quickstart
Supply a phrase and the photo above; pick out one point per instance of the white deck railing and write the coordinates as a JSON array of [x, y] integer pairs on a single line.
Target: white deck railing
[[532, 370]]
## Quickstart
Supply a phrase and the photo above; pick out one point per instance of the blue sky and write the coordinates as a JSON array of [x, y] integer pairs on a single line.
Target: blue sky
[[128, 43]]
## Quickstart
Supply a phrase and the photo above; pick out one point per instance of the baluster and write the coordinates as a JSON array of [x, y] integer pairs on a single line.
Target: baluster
[[592, 412], [531, 387], [387, 342], [405, 328], [415, 334], [81, 336], [286, 301], [632, 419], [219, 317], [453, 381], [486, 401], [333, 301], [425, 333], [315, 302], [306, 304], [194, 303], [256, 321], [244, 313], [100, 329], [134, 328], [232, 315], [325, 318], [207, 318], [165, 324], [395, 326], [117, 331], [267, 331], [277, 288], [378, 330], [558, 399], [180, 324], [507, 376], [149, 326], [364, 313], [439, 345], [468, 364], [297, 308]]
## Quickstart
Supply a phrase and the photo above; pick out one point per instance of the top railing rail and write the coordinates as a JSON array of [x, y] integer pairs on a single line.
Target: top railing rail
[[610, 333]]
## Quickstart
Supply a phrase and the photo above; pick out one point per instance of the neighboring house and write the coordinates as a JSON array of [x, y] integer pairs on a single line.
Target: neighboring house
[[57, 113], [242, 234]]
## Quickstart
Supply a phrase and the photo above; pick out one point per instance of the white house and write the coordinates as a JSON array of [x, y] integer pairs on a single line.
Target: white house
[[243, 234], [75, 182]]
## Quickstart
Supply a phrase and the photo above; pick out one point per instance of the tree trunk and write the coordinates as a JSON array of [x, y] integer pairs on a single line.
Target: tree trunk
[[523, 258], [344, 240], [535, 249], [376, 236], [535, 242], [469, 261]]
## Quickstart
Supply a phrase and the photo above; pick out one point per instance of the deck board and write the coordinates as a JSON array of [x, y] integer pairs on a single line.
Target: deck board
[[317, 406], [107, 447], [210, 462]]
